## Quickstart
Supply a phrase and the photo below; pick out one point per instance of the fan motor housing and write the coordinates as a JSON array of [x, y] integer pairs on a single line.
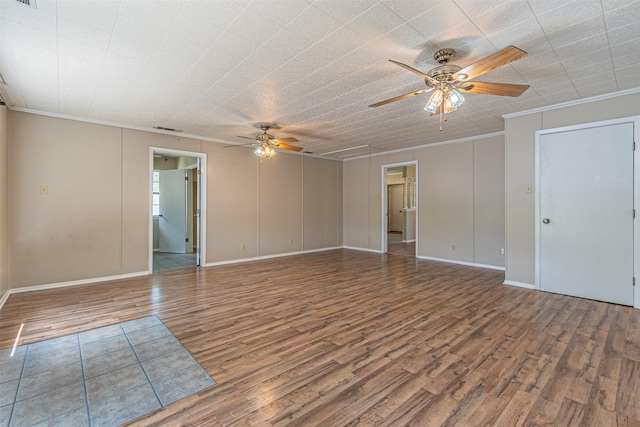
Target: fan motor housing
[[265, 137], [444, 55], [444, 73]]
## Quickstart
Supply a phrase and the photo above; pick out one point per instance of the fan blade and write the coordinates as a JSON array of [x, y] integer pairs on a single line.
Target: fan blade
[[288, 147], [413, 70], [420, 73], [491, 62], [279, 140], [398, 98], [500, 89], [245, 137]]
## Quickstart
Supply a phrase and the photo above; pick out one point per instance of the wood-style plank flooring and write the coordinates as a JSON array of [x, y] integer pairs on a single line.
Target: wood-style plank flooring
[[352, 338], [406, 249]]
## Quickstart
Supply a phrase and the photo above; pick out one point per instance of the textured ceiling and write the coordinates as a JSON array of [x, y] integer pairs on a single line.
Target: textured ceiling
[[215, 68]]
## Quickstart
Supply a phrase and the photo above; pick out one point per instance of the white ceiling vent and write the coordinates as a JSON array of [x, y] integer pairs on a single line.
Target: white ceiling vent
[[31, 3]]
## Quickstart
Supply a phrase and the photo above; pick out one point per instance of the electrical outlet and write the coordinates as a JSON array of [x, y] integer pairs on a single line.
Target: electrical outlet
[[44, 190], [453, 247], [242, 247], [290, 242], [501, 251], [528, 188]]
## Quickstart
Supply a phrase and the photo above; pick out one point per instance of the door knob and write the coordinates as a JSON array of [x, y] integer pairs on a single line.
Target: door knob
[[546, 221]]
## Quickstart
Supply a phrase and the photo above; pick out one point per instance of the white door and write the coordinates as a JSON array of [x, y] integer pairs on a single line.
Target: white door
[[396, 204], [173, 204], [586, 213]]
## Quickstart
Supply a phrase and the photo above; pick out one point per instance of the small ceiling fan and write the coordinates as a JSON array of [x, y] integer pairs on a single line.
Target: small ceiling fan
[[266, 144], [447, 80]]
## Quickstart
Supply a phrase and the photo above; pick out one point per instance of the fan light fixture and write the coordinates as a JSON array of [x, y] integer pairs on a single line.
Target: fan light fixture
[[435, 100], [265, 144], [265, 150], [445, 100], [454, 97], [446, 81]]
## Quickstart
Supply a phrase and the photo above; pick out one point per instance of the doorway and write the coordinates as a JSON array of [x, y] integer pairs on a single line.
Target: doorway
[[399, 228], [177, 201], [585, 212]]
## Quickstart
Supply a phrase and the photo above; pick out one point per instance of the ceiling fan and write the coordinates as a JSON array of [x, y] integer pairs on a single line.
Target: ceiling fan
[[448, 80], [266, 144]]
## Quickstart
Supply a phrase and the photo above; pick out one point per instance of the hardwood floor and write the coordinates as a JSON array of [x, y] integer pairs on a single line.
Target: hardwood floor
[[406, 249], [354, 338]]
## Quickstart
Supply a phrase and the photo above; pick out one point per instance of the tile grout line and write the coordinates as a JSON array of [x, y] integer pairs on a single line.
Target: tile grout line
[[139, 363], [15, 398], [135, 353], [84, 382], [20, 383]]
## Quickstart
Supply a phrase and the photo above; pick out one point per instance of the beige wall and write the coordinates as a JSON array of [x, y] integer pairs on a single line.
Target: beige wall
[[355, 209], [94, 221], [232, 202], [460, 200], [74, 231], [4, 200], [322, 209], [488, 196], [289, 203], [280, 205], [445, 197], [520, 171]]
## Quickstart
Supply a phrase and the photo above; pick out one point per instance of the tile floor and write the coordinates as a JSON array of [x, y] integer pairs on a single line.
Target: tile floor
[[102, 377], [163, 261]]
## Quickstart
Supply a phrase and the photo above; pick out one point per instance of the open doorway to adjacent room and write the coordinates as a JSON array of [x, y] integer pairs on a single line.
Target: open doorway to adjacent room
[[176, 194], [400, 208]]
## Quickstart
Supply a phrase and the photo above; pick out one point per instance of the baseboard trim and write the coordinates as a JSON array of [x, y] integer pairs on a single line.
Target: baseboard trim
[[262, 257], [408, 241], [455, 261], [70, 283], [356, 248], [519, 284], [4, 298]]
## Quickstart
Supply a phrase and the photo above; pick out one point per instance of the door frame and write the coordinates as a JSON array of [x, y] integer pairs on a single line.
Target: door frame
[[635, 120], [385, 203], [202, 192]]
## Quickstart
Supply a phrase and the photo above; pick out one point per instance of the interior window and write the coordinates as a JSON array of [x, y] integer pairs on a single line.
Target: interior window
[[156, 193]]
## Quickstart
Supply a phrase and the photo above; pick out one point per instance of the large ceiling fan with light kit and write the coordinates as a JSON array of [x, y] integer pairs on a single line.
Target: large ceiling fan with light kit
[[266, 144], [449, 80]]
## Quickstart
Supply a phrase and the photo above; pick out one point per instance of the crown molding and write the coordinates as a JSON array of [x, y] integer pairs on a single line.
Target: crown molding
[[433, 144], [572, 103], [151, 130]]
